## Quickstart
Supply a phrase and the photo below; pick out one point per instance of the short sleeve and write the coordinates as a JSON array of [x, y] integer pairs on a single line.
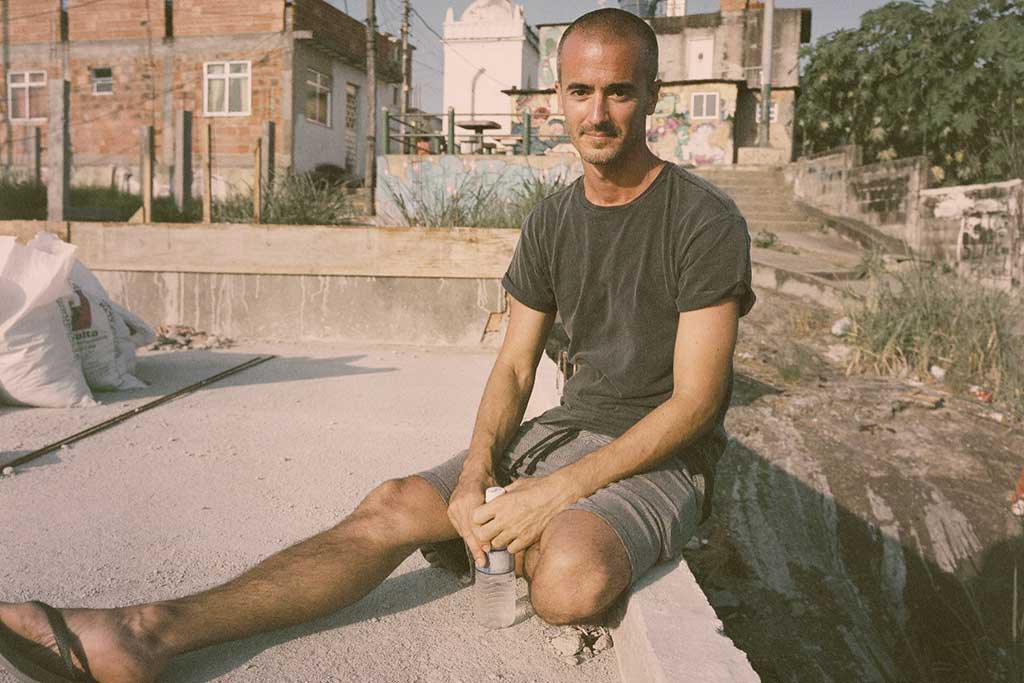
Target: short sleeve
[[528, 278], [714, 264]]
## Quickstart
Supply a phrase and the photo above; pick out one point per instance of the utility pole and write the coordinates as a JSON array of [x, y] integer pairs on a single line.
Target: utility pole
[[767, 38], [403, 127], [370, 174]]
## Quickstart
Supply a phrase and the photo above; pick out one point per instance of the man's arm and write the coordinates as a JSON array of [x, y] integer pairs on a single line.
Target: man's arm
[[705, 341], [504, 401]]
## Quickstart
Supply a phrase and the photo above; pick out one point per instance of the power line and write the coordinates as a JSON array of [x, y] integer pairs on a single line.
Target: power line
[[452, 48]]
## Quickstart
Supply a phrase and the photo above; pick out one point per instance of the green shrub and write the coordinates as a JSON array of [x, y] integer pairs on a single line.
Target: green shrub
[[21, 199], [294, 200], [928, 316], [475, 201]]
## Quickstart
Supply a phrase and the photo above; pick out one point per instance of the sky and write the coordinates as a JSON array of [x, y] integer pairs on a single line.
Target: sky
[[428, 62]]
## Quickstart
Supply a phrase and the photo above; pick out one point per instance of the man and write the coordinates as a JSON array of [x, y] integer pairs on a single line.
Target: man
[[649, 268]]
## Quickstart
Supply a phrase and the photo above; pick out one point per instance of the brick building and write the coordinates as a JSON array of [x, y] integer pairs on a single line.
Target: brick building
[[236, 65]]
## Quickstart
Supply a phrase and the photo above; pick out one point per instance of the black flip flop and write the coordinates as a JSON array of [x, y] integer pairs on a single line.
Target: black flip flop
[[15, 659], [450, 555]]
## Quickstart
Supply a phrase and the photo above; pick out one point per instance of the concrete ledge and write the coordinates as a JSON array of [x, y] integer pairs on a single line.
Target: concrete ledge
[[665, 631], [24, 231], [762, 156], [808, 287], [856, 231]]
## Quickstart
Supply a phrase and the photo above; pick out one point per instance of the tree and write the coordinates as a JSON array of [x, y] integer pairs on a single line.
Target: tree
[[940, 80]]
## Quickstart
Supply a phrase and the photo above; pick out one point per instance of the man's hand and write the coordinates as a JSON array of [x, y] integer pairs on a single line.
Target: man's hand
[[466, 498], [516, 520]]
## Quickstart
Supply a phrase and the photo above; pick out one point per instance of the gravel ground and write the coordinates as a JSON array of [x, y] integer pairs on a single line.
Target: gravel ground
[[191, 493]]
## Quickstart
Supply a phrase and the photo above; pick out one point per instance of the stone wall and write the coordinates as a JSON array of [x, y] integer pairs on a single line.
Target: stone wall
[[884, 195], [981, 227]]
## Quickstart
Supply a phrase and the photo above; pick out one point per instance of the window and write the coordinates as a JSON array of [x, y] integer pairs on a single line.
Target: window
[[351, 121], [704, 105], [773, 113], [351, 105], [227, 88], [26, 95], [318, 98], [102, 81]]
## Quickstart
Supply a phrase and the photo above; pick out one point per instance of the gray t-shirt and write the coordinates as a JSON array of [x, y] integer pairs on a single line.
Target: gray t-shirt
[[619, 276]]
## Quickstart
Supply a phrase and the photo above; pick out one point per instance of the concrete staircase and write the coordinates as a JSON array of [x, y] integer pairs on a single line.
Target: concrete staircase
[[794, 250]]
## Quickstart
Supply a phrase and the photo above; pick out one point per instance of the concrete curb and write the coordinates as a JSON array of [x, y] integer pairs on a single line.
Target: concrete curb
[[665, 631], [809, 287]]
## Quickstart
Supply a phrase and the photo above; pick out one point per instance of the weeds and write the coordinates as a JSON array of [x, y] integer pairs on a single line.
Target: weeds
[[475, 200], [21, 199], [925, 315]]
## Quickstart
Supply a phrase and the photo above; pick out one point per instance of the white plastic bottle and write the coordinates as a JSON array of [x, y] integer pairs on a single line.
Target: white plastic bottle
[[496, 583]]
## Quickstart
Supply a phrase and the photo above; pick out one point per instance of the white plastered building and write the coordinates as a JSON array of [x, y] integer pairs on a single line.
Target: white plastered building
[[490, 48]]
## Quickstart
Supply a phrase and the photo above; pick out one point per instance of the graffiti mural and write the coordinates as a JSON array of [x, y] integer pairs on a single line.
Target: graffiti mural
[[674, 134], [548, 38], [548, 131]]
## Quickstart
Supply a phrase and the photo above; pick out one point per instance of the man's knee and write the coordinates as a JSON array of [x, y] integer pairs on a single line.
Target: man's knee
[[568, 587], [400, 506]]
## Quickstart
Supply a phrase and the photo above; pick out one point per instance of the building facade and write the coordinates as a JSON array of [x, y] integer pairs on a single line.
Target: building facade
[[710, 69], [488, 49], [299, 64]]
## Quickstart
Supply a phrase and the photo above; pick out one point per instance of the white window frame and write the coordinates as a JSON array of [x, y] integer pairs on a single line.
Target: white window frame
[[315, 80], [773, 112], [226, 77], [96, 82], [704, 116], [27, 86]]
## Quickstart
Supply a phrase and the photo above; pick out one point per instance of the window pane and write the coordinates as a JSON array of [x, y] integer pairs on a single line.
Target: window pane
[[325, 107], [102, 73], [38, 77], [18, 78], [19, 103], [712, 105], [37, 104], [698, 106], [311, 106], [214, 69], [238, 95], [215, 95], [239, 68]]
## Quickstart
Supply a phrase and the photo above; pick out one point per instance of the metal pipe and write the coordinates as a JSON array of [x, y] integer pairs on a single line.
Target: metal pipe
[[29, 457]]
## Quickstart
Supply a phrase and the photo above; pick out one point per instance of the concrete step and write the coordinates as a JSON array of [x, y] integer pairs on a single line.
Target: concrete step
[[776, 225]]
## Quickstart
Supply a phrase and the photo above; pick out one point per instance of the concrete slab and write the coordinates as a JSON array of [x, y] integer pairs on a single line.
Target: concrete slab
[[192, 493], [666, 632]]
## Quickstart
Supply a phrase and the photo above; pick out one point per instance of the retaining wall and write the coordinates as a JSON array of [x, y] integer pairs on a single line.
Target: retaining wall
[[383, 285]]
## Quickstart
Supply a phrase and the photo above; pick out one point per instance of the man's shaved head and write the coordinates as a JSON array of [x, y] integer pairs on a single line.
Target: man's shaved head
[[612, 23]]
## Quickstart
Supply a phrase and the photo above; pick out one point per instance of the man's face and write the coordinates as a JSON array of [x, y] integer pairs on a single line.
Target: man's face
[[605, 96]]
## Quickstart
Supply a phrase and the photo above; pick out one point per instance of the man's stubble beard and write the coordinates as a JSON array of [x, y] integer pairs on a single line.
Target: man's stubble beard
[[611, 153]]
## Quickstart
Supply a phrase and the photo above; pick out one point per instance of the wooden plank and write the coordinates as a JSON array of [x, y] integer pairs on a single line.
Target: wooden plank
[[24, 231], [296, 250]]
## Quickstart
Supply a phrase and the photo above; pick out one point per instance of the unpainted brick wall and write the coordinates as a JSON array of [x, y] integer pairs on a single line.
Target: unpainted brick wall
[[113, 19], [214, 17], [29, 21]]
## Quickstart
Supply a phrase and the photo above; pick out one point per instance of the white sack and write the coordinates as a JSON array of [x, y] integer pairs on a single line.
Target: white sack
[[37, 362]]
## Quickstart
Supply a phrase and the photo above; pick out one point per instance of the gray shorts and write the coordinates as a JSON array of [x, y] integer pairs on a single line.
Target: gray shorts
[[654, 514]]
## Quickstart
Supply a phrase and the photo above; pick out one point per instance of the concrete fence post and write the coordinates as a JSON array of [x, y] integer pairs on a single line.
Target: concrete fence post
[[37, 154], [257, 189], [58, 190], [527, 131], [451, 130], [182, 158], [269, 160], [146, 145], [208, 174]]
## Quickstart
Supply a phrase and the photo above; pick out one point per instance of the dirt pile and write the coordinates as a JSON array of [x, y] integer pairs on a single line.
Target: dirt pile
[[182, 337]]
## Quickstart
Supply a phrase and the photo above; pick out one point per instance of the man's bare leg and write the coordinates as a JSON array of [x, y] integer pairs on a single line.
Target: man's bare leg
[[577, 569], [311, 579]]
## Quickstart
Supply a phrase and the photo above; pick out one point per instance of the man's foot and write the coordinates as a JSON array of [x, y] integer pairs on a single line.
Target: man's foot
[[450, 556], [119, 645]]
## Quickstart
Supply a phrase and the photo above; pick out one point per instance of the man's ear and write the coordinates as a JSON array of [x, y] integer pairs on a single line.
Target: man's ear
[[652, 103]]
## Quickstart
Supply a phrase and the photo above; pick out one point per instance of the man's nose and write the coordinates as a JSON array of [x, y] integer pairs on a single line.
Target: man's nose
[[597, 111]]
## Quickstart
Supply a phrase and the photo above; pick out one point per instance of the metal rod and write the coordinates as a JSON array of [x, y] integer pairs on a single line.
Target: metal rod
[[28, 457]]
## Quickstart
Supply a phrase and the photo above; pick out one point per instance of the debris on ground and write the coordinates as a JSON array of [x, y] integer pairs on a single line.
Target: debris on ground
[[182, 337], [7, 472], [938, 372], [983, 395], [842, 327], [578, 644]]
